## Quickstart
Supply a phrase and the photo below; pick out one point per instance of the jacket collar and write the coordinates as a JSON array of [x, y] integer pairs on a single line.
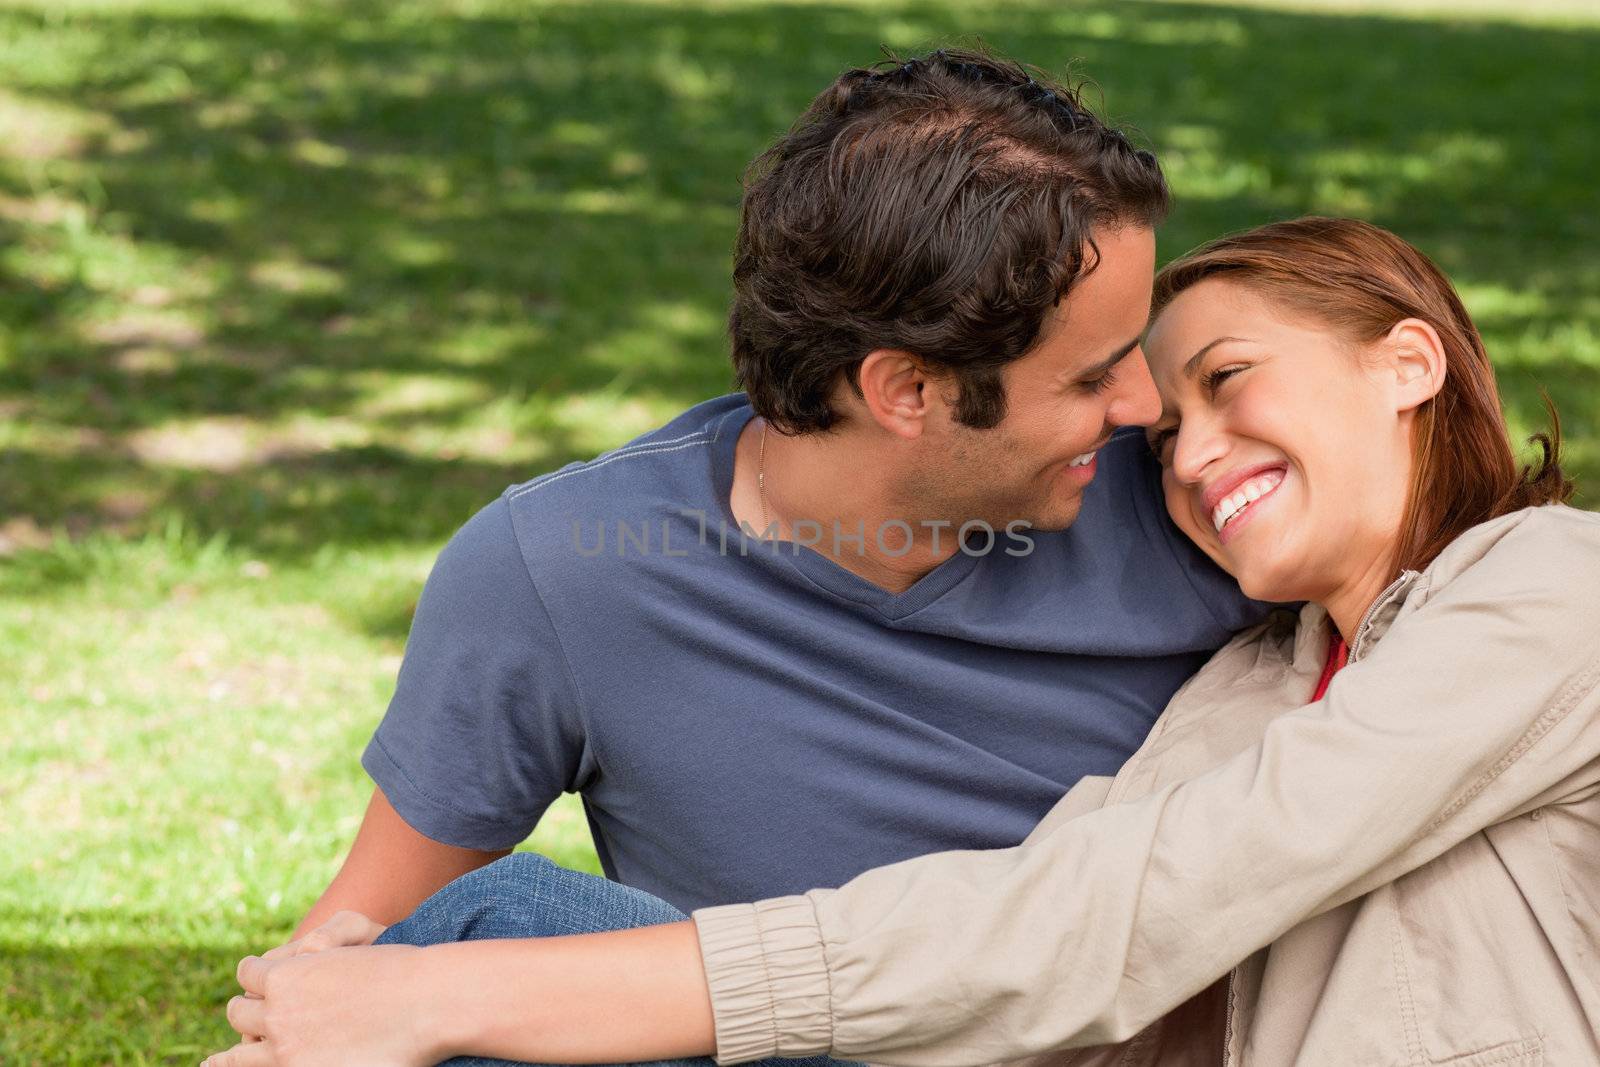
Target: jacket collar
[[1460, 554], [1381, 615]]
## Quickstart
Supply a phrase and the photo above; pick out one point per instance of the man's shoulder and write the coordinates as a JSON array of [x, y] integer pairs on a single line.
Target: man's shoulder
[[668, 464], [557, 519], [651, 466]]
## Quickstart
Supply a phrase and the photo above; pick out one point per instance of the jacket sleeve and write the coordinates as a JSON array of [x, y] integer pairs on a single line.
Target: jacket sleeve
[[1478, 705]]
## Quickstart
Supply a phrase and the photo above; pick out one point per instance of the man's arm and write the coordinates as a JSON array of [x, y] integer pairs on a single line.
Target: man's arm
[[482, 733], [391, 869]]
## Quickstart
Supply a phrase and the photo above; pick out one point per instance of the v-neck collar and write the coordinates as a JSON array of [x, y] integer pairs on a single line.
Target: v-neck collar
[[815, 567]]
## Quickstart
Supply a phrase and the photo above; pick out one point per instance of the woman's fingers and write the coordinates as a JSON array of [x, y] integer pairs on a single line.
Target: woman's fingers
[[247, 1015], [252, 974], [242, 1055], [355, 1005]]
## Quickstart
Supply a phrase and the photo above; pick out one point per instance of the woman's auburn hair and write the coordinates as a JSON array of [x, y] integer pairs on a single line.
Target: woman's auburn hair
[[1362, 280]]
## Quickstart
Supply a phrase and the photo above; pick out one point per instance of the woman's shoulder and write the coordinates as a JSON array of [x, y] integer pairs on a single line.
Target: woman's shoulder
[[1528, 582], [1561, 520], [1542, 547], [1554, 519], [1540, 564]]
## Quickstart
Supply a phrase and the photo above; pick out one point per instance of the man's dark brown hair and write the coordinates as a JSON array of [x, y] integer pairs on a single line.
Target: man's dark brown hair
[[942, 205]]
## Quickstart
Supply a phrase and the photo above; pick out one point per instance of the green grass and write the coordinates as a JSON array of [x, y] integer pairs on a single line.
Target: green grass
[[287, 289]]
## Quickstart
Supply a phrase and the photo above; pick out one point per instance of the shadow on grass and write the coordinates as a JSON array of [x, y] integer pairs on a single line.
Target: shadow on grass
[[110, 1001], [338, 278], [127, 1003]]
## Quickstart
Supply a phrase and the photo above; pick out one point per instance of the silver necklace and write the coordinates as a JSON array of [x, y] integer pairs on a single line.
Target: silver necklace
[[761, 476]]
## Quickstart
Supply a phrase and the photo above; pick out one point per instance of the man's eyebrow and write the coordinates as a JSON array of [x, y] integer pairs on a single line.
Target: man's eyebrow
[[1193, 363], [1110, 361]]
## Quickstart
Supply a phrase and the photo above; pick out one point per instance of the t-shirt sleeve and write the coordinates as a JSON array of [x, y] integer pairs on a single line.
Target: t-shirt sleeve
[[483, 731]]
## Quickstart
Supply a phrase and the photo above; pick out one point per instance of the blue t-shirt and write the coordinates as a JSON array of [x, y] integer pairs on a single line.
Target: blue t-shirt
[[749, 725]]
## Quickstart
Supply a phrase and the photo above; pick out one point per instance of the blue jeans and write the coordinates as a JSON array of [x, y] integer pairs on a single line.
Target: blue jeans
[[527, 895]]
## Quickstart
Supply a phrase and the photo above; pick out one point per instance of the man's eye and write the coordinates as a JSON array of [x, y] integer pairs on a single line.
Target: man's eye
[[1102, 383]]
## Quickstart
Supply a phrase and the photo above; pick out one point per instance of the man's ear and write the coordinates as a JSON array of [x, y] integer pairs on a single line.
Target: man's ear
[[898, 391], [1415, 355]]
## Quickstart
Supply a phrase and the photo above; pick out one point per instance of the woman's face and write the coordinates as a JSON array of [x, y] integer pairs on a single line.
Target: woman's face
[[1285, 449]]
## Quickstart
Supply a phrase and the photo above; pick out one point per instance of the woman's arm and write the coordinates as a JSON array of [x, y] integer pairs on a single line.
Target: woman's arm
[[1480, 703], [617, 997]]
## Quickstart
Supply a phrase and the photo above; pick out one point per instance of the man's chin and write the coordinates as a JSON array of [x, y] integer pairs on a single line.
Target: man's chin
[[1056, 516]]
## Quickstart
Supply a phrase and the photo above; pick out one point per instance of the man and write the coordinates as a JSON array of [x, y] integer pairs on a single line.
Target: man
[[895, 598]]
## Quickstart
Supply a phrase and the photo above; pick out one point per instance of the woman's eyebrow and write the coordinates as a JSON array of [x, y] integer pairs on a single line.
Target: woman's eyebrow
[[1192, 366]]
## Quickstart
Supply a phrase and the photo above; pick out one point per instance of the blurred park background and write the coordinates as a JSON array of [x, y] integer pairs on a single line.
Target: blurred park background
[[289, 289]]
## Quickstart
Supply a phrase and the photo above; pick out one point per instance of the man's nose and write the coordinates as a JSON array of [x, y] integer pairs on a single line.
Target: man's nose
[[1136, 402]]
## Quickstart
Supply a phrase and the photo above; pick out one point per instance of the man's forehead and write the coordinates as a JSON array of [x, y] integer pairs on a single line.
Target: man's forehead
[[1094, 324], [1107, 307], [1063, 333]]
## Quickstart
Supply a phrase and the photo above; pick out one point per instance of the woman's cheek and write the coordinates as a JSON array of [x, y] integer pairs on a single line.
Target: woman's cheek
[[1177, 501], [1180, 507]]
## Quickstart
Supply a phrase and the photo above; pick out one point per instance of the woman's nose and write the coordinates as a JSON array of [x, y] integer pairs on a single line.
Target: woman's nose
[[1199, 444]]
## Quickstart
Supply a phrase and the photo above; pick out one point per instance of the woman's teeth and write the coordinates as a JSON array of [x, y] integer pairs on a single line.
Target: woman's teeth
[[1233, 505], [1083, 460]]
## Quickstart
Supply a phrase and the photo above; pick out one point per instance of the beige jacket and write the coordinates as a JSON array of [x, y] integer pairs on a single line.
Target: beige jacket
[[1405, 872]]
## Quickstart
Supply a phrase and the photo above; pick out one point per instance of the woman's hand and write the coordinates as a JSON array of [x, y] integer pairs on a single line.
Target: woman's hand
[[364, 1004], [619, 997], [343, 929]]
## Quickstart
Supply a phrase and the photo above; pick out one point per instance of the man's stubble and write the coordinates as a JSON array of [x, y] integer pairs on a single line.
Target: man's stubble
[[986, 476]]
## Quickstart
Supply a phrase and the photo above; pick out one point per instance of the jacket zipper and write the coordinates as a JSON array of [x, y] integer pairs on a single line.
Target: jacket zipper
[[1356, 648], [1358, 644], [1227, 1026]]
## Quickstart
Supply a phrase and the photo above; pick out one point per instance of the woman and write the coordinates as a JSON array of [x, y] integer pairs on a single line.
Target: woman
[[1406, 869]]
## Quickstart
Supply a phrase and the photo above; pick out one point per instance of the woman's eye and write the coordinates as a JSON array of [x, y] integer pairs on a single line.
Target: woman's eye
[[1160, 444], [1211, 380]]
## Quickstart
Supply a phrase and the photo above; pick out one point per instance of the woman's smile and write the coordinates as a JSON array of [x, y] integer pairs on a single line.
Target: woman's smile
[[1232, 499]]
